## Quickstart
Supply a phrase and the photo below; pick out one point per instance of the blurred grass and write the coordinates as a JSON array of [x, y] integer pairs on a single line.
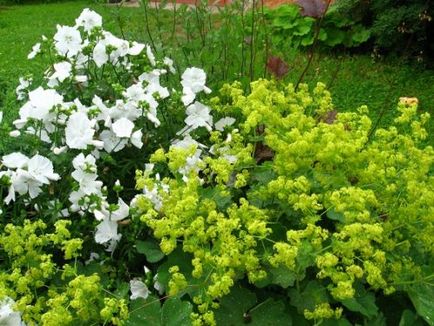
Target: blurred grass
[[354, 80]]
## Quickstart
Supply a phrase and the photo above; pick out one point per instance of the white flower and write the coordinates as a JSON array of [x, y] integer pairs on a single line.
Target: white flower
[[158, 285], [122, 47], [35, 50], [67, 41], [136, 139], [62, 70], [150, 55], [30, 174], [224, 122], [151, 77], [154, 197], [85, 174], [111, 141], [88, 19], [135, 93], [15, 160], [79, 132], [153, 88], [123, 128], [106, 231], [194, 79], [9, 317], [14, 133], [41, 101], [23, 182], [82, 162], [59, 150], [81, 78], [119, 214], [1, 116], [93, 256], [24, 84], [145, 269], [136, 49], [41, 169], [198, 115], [100, 55], [169, 63], [188, 96], [187, 143], [138, 289]]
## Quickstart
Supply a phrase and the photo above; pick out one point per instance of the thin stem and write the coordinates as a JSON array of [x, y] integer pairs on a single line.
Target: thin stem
[[312, 48], [148, 30], [252, 43], [243, 36]]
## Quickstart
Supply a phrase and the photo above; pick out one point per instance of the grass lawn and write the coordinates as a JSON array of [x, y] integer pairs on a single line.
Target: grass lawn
[[358, 79]]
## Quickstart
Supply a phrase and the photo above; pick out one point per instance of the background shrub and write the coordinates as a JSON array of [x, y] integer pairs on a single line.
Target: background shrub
[[404, 26]]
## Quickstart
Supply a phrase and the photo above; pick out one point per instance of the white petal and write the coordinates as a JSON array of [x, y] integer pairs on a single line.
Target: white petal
[[123, 128], [15, 160], [138, 289]]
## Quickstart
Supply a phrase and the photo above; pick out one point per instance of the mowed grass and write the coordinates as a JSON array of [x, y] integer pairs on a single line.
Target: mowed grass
[[354, 80]]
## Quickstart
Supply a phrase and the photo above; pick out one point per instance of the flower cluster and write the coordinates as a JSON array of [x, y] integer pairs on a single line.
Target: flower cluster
[[82, 119]]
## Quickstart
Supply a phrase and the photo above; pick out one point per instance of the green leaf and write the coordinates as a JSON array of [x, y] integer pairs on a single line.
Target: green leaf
[[365, 304], [360, 35], [334, 322], [379, 320], [176, 312], [214, 193], [313, 294], [334, 37], [263, 173], [269, 313], [150, 249], [307, 40], [422, 297], [409, 318], [145, 312], [303, 29], [234, 306], [282, 276], [333, 215], [122, 290], [183, 260]]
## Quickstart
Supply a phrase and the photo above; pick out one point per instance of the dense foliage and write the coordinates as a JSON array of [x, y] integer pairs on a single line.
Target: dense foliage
[[400, 26], [289, 28], [135, 198]]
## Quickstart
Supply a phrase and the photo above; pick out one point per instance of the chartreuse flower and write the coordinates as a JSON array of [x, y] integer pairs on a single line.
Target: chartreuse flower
[[356, 207], [46, 291]]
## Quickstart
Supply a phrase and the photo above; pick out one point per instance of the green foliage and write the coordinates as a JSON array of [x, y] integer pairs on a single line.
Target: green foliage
[[400, 26], [46, 285], [290, 29]]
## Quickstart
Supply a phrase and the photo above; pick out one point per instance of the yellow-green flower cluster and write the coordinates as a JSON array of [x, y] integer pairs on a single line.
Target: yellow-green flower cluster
[[355, 204], [45, 291]]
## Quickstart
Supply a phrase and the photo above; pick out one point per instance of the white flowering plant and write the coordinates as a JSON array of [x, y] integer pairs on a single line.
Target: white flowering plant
[[105, 104]]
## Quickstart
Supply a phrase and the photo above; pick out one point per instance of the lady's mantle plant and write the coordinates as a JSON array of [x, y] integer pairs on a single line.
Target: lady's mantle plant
[[268, 207], [301, 201]]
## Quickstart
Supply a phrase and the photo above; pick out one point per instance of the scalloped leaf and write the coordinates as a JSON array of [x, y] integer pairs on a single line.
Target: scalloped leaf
[[270, 313], [145, 312], [422, 296], [234, 307], [151, 250], [176, 312]]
